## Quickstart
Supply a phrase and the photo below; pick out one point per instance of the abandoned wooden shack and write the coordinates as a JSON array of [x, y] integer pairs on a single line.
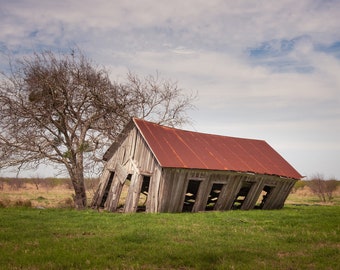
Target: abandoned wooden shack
[[155, 168]]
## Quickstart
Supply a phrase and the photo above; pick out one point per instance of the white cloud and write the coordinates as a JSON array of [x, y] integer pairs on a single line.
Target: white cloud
[[230, 23]]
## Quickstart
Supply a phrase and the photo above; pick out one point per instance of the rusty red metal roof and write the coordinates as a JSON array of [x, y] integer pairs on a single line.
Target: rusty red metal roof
[[176, 148]]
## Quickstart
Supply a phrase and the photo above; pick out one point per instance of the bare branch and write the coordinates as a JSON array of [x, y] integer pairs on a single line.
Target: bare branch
[[62, 109]]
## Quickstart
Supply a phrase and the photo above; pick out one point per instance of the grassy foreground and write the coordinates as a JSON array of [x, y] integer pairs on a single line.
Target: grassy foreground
[[296, 237]]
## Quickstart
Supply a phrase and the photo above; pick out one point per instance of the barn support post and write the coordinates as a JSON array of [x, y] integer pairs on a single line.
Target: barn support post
[[253, 195], [275, 202], [272, 201], [282, 194], [206, 194], [236, 184], [225, 200], [97, 198], [202, 196], [222, 201], [113, 200], [117, 186], [244, 190], [155, 194], [164, 191], [165, 187], [218, 186], [215, 192], [132, 198], [179, 191], [290, 185]]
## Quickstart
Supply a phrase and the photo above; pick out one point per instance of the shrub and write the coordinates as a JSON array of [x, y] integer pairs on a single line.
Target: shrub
[[23, 203], [66, 203], [16, 183], [4, 203]]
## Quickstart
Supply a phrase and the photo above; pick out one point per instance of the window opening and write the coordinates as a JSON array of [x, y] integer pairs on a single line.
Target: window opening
[[107, 190], [213, 196], [144, 194], [241, 195], [190, 195], [265, 193]]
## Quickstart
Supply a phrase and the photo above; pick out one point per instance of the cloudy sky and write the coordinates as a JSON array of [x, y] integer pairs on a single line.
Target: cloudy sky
[[262, 69]]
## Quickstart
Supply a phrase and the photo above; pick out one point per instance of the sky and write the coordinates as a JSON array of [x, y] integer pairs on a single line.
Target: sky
[[266, 70]]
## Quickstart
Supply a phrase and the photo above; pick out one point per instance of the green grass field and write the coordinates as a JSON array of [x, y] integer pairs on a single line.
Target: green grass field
[[296, 237]]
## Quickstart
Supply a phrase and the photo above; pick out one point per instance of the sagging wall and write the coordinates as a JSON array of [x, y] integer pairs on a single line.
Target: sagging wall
[[214, 190], [184, 190]]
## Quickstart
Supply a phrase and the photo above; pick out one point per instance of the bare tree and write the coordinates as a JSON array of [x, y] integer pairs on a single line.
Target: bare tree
[[322, 188], [317, 185], [331, 186], [62, 109]]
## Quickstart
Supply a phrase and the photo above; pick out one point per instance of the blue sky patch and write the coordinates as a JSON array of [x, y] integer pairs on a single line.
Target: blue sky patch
[[333, 49], [274, 54], [272, 48]]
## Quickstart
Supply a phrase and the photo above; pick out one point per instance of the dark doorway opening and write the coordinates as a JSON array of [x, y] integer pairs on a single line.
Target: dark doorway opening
[[107, 189], [242, 194], [213, 196], [190, 195], [265, 194], [144, 193]]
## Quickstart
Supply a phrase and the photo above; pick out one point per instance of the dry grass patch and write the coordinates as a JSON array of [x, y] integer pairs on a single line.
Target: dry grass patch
[[30, 196], [304, 195], [41, 192], [58, 193]]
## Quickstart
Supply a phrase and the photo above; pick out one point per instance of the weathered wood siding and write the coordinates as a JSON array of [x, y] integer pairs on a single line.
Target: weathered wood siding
[[174, 184], [133, 157]]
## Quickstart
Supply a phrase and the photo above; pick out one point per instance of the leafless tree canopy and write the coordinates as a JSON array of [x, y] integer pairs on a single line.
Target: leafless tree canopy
[[322, 188], [62, 109]]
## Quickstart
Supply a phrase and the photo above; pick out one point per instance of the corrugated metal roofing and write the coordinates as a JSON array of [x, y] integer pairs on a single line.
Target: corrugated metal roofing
[[176, 148]]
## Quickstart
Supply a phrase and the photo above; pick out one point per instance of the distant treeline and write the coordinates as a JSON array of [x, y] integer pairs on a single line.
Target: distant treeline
[[38, 182]]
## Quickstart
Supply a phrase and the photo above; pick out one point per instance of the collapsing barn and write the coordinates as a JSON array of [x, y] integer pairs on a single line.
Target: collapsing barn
[[160, 169]]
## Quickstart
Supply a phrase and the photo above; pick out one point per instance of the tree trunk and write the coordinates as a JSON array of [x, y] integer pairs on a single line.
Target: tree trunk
[[78, 182]]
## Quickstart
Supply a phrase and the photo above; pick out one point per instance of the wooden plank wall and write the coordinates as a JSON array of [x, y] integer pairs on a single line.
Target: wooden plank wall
[[133, 157], [175, 181]]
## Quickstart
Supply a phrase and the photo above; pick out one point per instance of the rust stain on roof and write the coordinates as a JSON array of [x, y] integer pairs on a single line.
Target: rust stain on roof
[[176, 148]]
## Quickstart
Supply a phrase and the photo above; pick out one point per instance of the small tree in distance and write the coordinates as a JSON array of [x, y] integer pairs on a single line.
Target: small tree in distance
[[322, 188], [61, 109]]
